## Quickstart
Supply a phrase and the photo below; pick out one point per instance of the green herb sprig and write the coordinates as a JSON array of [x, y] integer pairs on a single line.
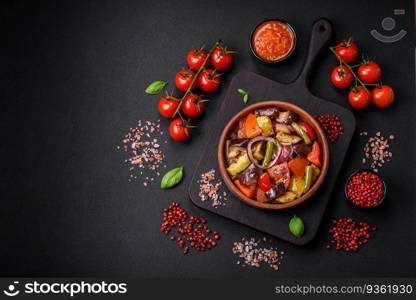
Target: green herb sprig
[[156, 87], [245, 95], [172, 178]]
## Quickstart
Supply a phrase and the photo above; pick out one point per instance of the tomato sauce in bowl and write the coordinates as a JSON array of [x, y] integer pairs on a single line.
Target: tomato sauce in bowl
[[273, 41]]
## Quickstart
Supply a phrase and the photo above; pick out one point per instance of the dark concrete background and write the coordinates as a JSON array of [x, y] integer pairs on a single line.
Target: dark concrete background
[[72, 83]]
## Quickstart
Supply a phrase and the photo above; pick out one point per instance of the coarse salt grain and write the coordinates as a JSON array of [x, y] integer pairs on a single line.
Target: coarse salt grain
[[209, 189], [377, 150], [254, 255], [142, 144]]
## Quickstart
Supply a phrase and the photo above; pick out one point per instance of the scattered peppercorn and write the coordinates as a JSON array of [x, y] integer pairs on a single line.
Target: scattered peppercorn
[[192, 230], [349, 235], [365, 189], [332, 125]]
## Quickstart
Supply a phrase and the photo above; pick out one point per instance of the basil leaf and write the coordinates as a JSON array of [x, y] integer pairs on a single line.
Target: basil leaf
[[296, 226], [242, 92], [245, 98], [172, 178], [156, 87]]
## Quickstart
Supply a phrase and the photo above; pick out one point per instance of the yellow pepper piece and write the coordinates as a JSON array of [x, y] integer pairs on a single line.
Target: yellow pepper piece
[[240, 165], [265, 125]]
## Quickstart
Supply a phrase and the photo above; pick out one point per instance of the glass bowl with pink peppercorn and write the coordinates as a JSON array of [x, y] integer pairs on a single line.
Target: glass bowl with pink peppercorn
[[365, 189]]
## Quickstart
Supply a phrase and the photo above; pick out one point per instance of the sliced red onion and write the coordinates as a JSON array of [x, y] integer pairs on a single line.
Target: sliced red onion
[[258, 139], [276, 158], [284, 155]]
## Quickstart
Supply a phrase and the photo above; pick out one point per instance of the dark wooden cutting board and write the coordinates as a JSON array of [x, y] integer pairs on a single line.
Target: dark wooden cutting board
[[311, 211]]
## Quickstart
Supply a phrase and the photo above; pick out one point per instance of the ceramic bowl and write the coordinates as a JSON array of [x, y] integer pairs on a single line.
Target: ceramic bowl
[[304, 116]]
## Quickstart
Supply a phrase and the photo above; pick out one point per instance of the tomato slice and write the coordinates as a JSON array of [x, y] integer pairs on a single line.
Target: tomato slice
[[298, 165], [308, 129], [264, 182], [315, 156], [249, 191], [261, 196], [280, 173]]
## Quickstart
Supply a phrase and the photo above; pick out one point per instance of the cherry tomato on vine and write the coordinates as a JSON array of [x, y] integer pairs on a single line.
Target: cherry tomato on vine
[[183, 80], [308, 130], [209, 80], [193, 106], [383, 96], [369, 72], [341, 77], [167, 106], [196, 57], [347, 51], [359, 98], [221, 58], [179, 130]]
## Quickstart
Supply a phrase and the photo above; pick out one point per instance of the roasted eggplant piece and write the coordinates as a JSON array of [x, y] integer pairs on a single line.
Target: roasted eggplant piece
[[241, 131], [287, 117], [281, 127], [234, 152], [271, 112], [239, 142], [249, 176], [287, 138], [276, 191], [301, 149], [258, 150]]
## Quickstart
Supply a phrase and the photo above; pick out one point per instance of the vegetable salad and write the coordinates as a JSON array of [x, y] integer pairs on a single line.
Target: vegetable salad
[[273, 156]]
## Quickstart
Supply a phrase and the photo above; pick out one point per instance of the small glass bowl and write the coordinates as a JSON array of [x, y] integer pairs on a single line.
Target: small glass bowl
[[283, 57], [370, 171]]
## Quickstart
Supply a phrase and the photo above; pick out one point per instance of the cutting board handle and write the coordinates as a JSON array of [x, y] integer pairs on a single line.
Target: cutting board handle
[[321, 33]]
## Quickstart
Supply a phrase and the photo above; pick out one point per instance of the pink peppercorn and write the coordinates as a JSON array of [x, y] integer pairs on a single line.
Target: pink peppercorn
[[193, 230], [349, 235], [365, 189], [332, 125]]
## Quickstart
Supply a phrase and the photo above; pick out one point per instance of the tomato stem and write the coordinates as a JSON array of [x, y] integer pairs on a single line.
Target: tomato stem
[[342, 62], [177, 111]]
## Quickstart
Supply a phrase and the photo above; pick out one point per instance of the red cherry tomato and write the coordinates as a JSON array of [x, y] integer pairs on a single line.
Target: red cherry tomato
[[209, 80], [183, 80], [179, 130], [308, 129], [359, 98], [167, 106], [264, 182], [196, 57], [221, 58], [369, 72], [347, 51], [383, 96], [341, 77], [193, 106]]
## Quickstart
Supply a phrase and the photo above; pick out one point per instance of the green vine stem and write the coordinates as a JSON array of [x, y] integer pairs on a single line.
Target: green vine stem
[[342, 62], [177, 111]]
